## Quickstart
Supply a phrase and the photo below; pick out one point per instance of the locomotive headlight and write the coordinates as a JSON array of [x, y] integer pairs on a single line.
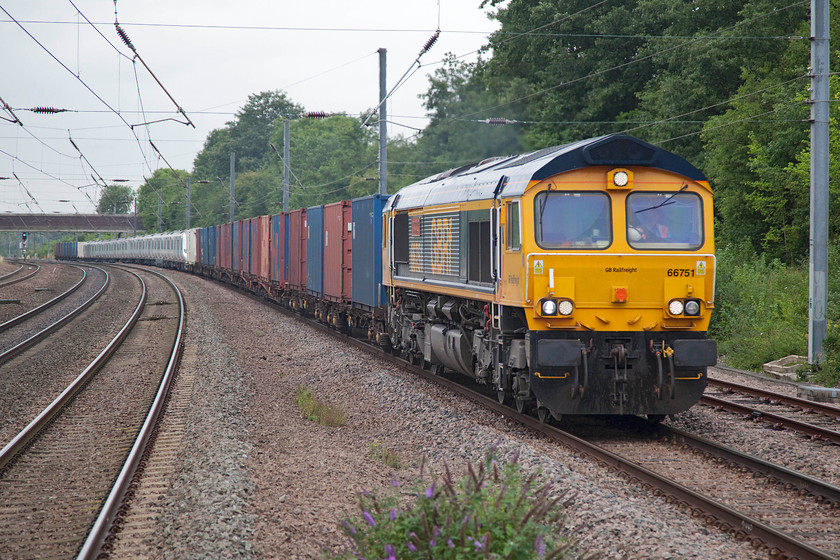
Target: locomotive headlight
[[692, 307], [548, 307], [620, 179], [676, 307], [565, 307]]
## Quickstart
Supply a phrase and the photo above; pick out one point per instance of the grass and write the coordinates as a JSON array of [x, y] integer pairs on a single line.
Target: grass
[[317, 410], [381, 453]]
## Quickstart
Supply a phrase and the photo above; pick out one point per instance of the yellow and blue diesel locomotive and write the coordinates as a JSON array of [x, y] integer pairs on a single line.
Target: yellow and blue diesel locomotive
[[577, 279]]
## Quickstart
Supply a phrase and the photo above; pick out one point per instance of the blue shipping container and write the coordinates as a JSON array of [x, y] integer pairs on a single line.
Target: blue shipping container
[[208, 246], [315, 250], [367, 251]]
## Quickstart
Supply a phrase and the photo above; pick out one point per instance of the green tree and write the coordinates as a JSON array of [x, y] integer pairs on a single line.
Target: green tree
[[330, 159], [757, 153], [115, 199], [702, 57], [173, 197], [579, 61], [247, 135], [258, 193], [461, 99]]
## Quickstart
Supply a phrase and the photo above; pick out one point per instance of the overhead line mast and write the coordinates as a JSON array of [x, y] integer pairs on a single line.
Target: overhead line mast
[[818, 265]]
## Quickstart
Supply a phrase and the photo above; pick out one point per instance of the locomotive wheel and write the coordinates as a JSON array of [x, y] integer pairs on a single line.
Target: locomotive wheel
[[501, 396], [520, 404]]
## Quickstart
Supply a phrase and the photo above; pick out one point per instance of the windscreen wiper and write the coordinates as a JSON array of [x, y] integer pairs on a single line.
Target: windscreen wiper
[[663, 203]]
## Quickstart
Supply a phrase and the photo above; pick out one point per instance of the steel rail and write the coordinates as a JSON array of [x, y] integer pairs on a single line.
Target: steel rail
[[98, 535], [32, 340], [12, 273], [806, 405], [22, 278], [20, 441], [44, 306], [814, 431], [800, 481]]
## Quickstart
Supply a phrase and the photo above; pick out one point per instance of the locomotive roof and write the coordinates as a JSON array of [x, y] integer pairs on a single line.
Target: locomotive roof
[[513, 174]]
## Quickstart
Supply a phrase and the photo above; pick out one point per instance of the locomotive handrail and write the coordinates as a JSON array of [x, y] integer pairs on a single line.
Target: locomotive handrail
[[576, 254]]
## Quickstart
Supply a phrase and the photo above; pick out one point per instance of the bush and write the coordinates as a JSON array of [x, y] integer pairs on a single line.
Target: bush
[[761, 311], [761, 308], [494, 511]]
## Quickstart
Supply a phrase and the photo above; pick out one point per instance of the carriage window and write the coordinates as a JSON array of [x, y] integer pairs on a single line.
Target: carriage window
[[572, 220], [664, 220], [513, 230]]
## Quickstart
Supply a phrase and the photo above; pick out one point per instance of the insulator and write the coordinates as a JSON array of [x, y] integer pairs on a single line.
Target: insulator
[[316, 115], [124, 36], [498, 121], [46, 110], [430, 43]]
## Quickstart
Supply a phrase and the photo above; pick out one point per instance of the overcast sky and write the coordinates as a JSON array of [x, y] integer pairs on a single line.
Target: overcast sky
[[209, 55]]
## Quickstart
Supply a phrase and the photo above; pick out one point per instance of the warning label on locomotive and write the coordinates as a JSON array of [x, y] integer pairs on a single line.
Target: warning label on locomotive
[[538, 267], [700, 268]]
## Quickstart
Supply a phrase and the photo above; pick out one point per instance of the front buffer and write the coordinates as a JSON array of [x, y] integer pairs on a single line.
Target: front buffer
[[652, 374]]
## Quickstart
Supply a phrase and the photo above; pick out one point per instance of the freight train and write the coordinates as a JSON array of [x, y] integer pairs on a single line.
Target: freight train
[[574, 280]]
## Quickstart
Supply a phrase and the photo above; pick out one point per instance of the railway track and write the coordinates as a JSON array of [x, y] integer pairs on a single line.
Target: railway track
[[57, 476], [791, 515], [26, 330], [12, 273], [819, 421], [20, 275], [46, 305]]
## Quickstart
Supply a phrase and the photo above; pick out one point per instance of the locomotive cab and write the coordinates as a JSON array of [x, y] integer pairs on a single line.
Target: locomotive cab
[[618, 284]]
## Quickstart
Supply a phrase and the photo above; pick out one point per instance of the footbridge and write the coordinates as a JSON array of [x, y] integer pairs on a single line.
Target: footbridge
[[72, 223]]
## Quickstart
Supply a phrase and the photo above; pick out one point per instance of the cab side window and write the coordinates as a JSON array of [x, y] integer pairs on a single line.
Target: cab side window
[[514, 239]]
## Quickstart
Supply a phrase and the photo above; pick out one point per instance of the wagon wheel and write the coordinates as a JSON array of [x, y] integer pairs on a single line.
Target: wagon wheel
[[543, 415], [501, 396], [520, 404]]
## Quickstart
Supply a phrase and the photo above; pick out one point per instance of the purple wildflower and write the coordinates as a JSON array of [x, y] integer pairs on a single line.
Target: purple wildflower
[[350, 528], [369, 518], [432, 543], [478, 545], [393, 514], [394, 481], [411, 547], [430, 491], [539, 546], [389, 550], [450, 544]]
